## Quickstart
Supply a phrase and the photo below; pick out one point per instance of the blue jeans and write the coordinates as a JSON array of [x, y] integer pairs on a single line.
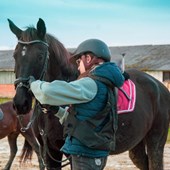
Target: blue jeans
[[86, 163]]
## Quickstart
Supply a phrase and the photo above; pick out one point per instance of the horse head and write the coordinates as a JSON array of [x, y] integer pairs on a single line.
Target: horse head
[[40, 55], [31, 57]]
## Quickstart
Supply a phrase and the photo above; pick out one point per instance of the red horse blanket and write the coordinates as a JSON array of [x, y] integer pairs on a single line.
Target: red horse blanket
[[126, 97]]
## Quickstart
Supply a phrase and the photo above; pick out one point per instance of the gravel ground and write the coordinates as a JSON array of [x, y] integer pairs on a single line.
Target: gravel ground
[[116, 162]]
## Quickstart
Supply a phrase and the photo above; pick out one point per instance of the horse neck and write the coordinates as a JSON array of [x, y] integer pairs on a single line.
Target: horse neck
[[59, 68]]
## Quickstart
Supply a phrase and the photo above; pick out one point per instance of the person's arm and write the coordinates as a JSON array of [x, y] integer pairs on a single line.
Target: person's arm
[[59, 93]]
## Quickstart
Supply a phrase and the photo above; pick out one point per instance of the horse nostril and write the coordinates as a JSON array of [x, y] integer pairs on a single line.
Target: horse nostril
[[22, 101]]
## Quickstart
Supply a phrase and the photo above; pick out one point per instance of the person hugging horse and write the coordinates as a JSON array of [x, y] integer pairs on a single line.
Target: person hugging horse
[[88, 124]]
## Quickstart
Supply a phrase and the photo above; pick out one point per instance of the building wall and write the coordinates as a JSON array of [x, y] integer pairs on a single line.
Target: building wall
[[7, 77], [157, 74], [7, 88], [167, 84]]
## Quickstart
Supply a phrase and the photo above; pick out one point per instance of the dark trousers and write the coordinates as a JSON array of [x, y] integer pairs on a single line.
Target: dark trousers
[[86, 163]]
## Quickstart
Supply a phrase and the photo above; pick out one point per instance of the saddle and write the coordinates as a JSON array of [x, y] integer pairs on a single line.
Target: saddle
[[1, 114]]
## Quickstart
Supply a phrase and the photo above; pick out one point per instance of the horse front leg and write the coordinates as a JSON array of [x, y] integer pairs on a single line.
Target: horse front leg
[[12, 140], [36, 144]]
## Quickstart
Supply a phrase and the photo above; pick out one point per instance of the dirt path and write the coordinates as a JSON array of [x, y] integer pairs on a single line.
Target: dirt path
[[116, 162]]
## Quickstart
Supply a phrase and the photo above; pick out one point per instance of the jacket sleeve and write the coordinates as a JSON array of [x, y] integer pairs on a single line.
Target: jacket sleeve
[[63, 93]]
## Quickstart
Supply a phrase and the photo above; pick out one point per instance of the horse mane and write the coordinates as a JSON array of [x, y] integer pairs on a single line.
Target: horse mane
[[61, 56], [57, 48], [58, 55]]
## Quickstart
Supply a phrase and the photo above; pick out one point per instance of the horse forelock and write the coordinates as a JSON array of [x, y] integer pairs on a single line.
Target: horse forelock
[[29, 34]]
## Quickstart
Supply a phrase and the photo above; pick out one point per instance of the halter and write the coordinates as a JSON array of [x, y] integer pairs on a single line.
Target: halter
[[23, 82]]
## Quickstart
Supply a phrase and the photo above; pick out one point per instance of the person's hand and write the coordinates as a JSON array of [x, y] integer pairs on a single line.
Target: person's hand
[[54, 109], [49, 109], [31, 79]]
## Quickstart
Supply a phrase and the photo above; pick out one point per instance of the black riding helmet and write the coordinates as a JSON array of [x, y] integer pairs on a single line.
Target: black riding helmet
[[95, 46]]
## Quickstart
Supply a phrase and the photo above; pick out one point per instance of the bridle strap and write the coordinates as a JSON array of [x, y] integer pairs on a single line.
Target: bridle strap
[[45, 67], [32, 42], [22, 82]]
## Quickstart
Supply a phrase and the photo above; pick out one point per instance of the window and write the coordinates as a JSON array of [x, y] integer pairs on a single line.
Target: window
[[166, 75]]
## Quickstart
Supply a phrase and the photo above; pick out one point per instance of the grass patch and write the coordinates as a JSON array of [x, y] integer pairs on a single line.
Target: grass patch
[[3, 100], [168, 138]]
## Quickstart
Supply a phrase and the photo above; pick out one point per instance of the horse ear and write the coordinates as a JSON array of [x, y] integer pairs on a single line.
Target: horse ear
[[14, 29], [41, 28]]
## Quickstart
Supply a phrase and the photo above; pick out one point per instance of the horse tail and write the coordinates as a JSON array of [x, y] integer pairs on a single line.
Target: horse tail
[[26, 153]]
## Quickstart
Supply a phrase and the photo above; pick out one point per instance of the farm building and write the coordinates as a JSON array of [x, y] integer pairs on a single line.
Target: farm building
[[7, 76], [153, 59]]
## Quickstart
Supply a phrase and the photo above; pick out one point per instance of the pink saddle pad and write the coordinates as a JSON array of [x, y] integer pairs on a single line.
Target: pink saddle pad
[[126, 97]]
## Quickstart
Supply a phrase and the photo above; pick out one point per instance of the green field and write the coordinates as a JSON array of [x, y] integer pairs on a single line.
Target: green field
[[168, 139], [2, 100]]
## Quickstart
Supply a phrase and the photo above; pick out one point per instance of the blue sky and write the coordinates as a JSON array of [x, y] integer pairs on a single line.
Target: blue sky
[[117, 22]]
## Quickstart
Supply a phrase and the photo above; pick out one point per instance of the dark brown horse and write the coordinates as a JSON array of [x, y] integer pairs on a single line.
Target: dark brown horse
[[143, 132], [48, 130], [10, 127]]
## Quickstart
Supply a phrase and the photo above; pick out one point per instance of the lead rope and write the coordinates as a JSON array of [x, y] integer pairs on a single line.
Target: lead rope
[[20, 118], [24, 129], [44, 134], [39, 145]]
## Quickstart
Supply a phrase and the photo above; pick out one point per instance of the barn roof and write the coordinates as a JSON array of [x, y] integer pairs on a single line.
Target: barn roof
[[6, 60], [144, 57]]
